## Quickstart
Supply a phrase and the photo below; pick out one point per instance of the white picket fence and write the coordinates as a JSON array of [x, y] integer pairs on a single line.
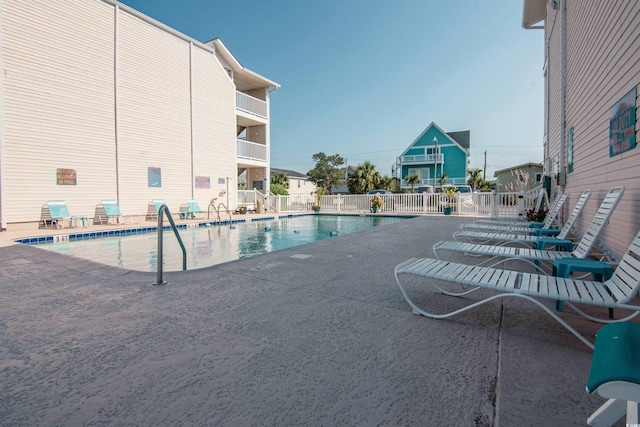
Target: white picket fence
[[491, 205]]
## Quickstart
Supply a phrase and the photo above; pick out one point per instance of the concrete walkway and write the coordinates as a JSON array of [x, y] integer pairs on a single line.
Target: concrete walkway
[[315, 335]]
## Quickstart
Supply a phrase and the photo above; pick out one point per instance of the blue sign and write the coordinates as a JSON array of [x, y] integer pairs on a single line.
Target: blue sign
[[622, 124], [154, 176]]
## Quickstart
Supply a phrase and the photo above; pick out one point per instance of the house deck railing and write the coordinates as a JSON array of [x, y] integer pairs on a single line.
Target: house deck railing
[[251, 104], [423, 158], [251, 150]]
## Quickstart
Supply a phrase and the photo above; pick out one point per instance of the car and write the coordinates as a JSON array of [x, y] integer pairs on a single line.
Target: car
[[424, 189]]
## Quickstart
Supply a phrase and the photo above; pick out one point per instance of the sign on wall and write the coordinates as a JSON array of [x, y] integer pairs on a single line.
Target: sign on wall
[[203, 182], [66, 177], [154, 177], [622, 124]]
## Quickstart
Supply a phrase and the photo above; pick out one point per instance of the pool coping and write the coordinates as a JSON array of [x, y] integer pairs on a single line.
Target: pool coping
[[64, 237]]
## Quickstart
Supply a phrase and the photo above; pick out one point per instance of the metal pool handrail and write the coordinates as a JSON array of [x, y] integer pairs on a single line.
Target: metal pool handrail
[[161, 212]]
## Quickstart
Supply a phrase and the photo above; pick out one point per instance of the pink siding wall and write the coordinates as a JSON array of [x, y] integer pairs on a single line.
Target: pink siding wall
[[602, 65]]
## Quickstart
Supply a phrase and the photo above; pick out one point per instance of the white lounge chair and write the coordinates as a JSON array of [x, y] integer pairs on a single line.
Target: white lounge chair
[[617, 292], [526, 228], [507, 238], [582, 249]]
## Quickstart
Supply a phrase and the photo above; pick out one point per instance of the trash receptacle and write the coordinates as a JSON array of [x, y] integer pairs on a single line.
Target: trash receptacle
[[259, 207]]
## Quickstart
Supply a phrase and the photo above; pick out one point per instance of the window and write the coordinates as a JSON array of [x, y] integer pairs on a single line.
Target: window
[[538, 177], [570, 151]]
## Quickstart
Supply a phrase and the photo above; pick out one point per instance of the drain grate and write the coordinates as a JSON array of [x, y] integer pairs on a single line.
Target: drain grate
[[300, 256]]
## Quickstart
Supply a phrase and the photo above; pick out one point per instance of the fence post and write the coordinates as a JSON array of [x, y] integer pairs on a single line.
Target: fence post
[[494, 204], [278, 203]]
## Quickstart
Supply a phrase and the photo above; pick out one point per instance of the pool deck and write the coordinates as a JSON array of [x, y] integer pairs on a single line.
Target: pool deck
[[313, 335]]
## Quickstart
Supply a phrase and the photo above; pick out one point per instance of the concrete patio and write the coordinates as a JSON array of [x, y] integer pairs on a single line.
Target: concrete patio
[[278, 340]]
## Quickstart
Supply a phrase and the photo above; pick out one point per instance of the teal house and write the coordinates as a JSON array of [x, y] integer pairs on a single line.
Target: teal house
[[434, 154]]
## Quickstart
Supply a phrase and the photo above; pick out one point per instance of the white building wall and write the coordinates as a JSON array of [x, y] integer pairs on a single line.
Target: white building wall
[[94, 87], [603, 64], [301, 187], [154, 114], [57, 97], [214, 130]]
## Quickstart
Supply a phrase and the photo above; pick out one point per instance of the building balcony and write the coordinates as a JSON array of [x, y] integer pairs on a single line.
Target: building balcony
[[253, 152], [249, 104], [422, 159]]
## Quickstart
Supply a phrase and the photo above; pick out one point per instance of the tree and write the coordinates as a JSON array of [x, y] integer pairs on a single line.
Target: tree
[[280, 179], [412, 180], [365, 178], [278, 189], [475, 178], [326, 173], [387, 182]]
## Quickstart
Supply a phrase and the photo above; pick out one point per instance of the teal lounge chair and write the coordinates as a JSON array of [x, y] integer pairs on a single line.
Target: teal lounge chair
[[190, 209], [54, 213], [152, 209], [106, 210]]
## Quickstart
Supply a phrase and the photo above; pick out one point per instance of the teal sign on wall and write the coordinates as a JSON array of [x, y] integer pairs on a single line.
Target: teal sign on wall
[[622, 124], [154, 177]]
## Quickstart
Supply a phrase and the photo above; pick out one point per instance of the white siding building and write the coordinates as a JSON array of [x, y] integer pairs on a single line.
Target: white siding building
[[592, 72], [99, 101]]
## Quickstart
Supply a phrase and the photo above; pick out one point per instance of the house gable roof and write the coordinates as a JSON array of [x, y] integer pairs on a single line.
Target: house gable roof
[[524, 165], [289, 173], [244, 79], [463, 137]]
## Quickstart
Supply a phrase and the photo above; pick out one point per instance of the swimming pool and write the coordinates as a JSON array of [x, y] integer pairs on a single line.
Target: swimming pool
[[208, 244]]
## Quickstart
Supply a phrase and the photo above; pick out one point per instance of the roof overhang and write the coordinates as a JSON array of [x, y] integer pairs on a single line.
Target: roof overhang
[[244, 78], [533, 11]]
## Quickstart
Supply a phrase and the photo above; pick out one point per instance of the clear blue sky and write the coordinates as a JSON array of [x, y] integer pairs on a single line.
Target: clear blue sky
[[363, 78]]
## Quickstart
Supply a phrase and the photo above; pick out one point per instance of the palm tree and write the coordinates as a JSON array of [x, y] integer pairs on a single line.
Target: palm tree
[[365, 178], [475, 178], [443, 179], [412, 180], [387, 182], [280, 178]]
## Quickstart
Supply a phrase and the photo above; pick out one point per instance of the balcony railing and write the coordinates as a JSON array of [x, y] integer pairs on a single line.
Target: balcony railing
[[251, 105], [251, 150], [423, 158]]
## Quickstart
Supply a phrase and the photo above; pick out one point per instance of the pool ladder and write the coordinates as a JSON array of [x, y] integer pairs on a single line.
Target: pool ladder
[[212, 206], [164, 210]]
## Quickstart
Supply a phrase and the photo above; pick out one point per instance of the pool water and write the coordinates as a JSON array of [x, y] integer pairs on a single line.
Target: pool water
[[209, 245]]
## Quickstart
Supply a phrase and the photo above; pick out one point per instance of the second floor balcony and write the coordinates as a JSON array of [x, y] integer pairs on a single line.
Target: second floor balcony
[[251, 150], [422, 159]]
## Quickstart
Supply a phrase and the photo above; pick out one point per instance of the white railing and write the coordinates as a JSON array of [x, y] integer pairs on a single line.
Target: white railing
[[464, 204], [423, 158], [251, 105], [251, 150], [429, 181], [248, 199]]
